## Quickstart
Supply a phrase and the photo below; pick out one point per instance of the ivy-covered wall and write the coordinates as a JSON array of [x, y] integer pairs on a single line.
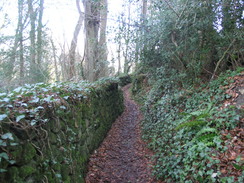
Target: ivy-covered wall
[[47, 132]]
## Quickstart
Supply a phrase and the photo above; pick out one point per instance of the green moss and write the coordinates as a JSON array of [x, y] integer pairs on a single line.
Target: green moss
[[56, 167], [26, 171], [28, 153], [53, 138], [65, 142], [68, 180], [50, 178], [65, 172], [16, 153], [13, 175]]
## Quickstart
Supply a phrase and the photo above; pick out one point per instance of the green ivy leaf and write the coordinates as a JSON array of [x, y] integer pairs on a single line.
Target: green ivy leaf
[[62, 107], [39, 108], [35, 100], [66, 97], [58, 175], [7, 136], [12, 162], [2, 170], [3, 94], [4, 155], [2, 143], [18, 118], [13, 144], [6, 100], [18, 89], [33, 122], [48, 99], [238, 167], [238, 159], [3, 116]]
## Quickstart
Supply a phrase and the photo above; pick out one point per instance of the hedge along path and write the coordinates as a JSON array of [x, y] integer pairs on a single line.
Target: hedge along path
[[123, 156]]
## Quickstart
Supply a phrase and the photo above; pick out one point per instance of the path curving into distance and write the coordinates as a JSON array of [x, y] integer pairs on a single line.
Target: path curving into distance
[[122, 157]]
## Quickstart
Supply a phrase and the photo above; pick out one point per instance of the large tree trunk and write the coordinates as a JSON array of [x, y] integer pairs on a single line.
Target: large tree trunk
[[143, 18], [32, 16], [119, 58], [39, 34], [17, 38], [91, 42], [102, 63], [127, 41], [144, 8], [20, 37], [72, 51], [55, 61]]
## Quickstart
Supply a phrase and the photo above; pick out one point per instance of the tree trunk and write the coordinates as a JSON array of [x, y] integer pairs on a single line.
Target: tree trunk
[[119, 58], [91, 42], [72, 51], [20, 37], [127, 41], [102, 65], [13, 54], [55, 61], [39, 34], [144, 9], [33, 66]]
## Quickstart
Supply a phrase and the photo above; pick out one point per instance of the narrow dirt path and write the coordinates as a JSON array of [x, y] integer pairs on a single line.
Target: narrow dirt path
[[123, 156]]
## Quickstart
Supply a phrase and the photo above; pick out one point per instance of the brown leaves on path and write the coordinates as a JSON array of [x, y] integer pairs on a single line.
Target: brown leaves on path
[[123, 156]]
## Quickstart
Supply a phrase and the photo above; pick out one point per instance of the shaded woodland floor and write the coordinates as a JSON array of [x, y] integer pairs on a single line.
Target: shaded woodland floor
[[123, 156]]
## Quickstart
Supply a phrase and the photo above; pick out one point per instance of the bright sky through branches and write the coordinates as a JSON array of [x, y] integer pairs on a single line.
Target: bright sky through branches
[[62, 15], [60, 18]]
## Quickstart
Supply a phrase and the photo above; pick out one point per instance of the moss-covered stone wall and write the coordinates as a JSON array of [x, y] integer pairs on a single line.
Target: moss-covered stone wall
[[57, 148], [124, 80]]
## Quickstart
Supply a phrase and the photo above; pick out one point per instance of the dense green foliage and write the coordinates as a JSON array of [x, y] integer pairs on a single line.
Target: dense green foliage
[[184, 45], [47, 132], [191, 38], [177, 49], [184, 129]]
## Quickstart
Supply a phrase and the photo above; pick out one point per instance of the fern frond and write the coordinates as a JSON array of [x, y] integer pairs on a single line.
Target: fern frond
[[210, 144], [206, 138], [191, 124], [207, 130]]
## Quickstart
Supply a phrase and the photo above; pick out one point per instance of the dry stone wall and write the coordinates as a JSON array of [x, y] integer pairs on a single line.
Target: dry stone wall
[[54, 145]]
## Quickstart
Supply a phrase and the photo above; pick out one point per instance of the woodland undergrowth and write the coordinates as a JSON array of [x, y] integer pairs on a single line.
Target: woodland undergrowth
[[192, 130]]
